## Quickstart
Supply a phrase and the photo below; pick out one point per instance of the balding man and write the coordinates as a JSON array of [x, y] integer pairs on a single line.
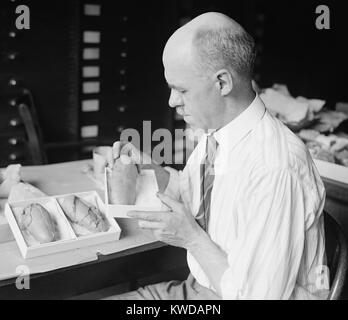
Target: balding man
[[248, 205]]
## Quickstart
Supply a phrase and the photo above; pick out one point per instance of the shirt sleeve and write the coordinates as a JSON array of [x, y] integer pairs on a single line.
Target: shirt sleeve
[[264, 259]]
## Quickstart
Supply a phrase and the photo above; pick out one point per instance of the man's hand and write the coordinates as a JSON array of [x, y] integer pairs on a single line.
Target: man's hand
[[177, 227], [128, 149], [142, 160]]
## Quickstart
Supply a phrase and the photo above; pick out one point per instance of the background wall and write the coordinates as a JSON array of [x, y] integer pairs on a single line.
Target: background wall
[[49, 60]]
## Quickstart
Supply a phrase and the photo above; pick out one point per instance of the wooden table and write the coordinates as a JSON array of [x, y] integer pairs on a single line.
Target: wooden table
[[139, 256]]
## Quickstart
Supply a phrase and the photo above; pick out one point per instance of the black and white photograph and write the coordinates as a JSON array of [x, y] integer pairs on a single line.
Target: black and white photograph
[[192, 151]]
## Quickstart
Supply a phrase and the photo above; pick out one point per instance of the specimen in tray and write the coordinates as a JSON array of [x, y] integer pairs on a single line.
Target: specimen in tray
[[37, 222], [84, 214], [122, 182]]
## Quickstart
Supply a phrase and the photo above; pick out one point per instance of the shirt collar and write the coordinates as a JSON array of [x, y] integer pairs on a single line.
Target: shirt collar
[[229, 135]]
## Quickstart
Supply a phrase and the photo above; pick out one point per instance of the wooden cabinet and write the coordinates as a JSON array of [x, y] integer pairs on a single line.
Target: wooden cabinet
[[94, 69], [13, 137]]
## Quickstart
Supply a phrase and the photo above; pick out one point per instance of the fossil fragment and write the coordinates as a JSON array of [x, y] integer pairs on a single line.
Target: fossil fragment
[[84, 214], [36, 220], [122, 182]]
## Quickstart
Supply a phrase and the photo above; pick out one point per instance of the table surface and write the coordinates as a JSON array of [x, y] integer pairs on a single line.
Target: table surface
[[71, 177], [136, 254]]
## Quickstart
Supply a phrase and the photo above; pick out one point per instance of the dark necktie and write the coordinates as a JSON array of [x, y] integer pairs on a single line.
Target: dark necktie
[[207, 181]]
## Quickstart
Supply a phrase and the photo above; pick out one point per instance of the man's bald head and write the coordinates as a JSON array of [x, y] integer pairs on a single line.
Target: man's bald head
[[214, 41]]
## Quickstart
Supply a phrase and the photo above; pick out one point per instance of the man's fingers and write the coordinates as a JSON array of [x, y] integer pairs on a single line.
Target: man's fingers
[[132, 152], [116, 149], [127, 149], [148, 215], [151, 225], [122, 163], [170, 202], [126, 160]]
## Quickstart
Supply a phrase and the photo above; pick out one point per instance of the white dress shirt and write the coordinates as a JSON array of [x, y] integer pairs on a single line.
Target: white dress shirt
[[266, 209]]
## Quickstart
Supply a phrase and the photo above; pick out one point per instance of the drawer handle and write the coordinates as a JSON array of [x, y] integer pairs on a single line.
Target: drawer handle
[[13, 141], [120, 129], [12, 55], [12, 102], [13, 156], [12, 82], [122, 109], [14, 122]]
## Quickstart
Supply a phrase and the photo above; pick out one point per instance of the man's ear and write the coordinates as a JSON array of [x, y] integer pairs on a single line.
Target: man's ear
[[223, 81]]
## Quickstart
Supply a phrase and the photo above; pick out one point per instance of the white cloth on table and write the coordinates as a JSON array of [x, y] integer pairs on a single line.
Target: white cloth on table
[[266, 209], [9, 177]]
